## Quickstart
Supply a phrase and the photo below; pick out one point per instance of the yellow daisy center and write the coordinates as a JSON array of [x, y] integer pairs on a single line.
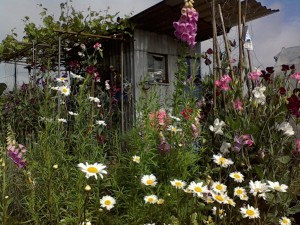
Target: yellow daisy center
[[237, 176], [64, 90], [149, 182], [222, 160], [219, 187], [239, 191], [174, 129], [250, 212], [151, 199], [285, 221], [107, 202], [178, 184], [219, 198], [198, 189], [92, 169]]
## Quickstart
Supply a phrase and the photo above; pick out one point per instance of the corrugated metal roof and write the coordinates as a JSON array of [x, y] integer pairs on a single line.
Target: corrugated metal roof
[[160, 17]]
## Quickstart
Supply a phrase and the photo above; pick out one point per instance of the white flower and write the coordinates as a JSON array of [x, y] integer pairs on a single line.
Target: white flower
[[61, 79], [54, 88], [152, 199], [224, 147], [277, 187], [258, 94], [101, 122], [72, 113], [220, 197], [220, 160], [174, 129], [136, 159], [240, 192], [230, 201], [86, 223], [107, 86], [79, 77], [237, 176], [258, 187], [219, 187], [286, 128], [198, 188], [217, 127], [285, 221], [65, 90], [174, 118], [94, 99], [178, 184], [149, 180], [220, 212], [107, 202], [62, 120], [249, 212], [92, 169]]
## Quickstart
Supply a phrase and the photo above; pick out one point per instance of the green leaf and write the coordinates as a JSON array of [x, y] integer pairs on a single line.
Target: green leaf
[[293, 210], [260, 171], [284, 159]]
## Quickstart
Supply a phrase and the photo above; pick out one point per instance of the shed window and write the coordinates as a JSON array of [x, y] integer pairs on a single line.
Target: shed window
[[157, 68]]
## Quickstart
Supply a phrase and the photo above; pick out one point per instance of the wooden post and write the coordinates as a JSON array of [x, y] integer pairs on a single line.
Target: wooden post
[[214, 54], [241, 53], [225, 41], [122, 84]]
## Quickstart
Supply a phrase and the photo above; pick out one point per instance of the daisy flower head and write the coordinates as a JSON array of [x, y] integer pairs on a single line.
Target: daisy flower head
[[65, 90], [230, 202], [239, 191], [93, 169], [220, 197], [221, 161], [107, 202], [218, 187], [94, 99], [86, 223], [178, 184], [149, 180], [62, 120], [61, 79], [198, 188], [217, 127], [285, 221], [72, 113], [258, 188], [101, 122], [219, 212], [136, 159], [277, 187], [75, 76], [152, 199], [174, 129], [237, 177], [174, 118], [249, 212]]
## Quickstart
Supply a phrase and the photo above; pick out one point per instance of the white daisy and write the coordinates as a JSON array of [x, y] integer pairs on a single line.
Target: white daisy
[[218, 187], [61, 79], [62, 120], [258, 188], [198, 188], [54, 88], [107, 202], [86, 223], [217, 127], [152, 199], [174, 118], [136, 159], [92, 169], [221, 161], [94, 99], [220, 197], [285, 221], [237, 176], [72, 113], [149, 180], [277, 187], [178, 184], [249, 212], [79, 77], [65, 90], [101, 122], [230, 202], [174, 129], [240, 192], [219, 212]]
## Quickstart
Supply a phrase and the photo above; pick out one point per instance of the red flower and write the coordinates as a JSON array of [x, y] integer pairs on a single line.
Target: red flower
[[294, 105], [207, 61], [292, 67], [270, 69], [209, 51], [186, 113], [90, 70], [282, 91], [285, 67]]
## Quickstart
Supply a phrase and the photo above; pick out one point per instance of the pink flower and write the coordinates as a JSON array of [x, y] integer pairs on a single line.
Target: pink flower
[[254, 75], [296, 76], [223, 83], [97, 46], [16, 153], [195, 131], [238, 105], [161, 117]]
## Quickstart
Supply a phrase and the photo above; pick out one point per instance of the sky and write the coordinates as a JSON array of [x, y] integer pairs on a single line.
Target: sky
[[269, 34]]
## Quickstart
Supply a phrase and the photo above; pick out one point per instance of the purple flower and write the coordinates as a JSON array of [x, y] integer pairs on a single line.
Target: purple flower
[[16, 153]]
